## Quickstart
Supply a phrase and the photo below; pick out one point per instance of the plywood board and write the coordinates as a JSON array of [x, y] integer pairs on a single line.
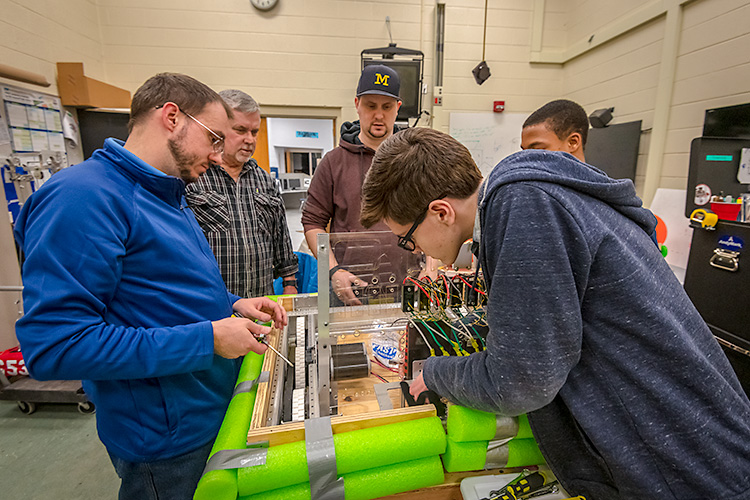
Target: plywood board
[[295, 431]]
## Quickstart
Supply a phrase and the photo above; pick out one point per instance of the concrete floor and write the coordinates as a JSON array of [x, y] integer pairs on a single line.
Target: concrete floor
[[53, 453]]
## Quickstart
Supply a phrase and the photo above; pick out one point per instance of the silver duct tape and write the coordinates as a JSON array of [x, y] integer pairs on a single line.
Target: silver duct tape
[[321, 460], [236, 459], [248, 385], [497, 454], [505, 427]]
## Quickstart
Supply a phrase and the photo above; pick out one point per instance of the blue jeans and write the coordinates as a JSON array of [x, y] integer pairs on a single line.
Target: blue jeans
[[171, 479]]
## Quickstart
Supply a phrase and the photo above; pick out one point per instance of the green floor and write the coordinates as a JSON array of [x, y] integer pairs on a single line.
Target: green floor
[[53, 453]]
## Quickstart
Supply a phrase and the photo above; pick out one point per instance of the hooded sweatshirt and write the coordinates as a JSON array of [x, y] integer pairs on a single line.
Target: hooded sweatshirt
[[628, 393], [335, 192], [335, 196], [120, 288]]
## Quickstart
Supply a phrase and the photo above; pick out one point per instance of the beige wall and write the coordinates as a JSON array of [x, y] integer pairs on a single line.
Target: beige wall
[[302, 53], [523, 87], [622, 74], [36, 34], [711, 69]]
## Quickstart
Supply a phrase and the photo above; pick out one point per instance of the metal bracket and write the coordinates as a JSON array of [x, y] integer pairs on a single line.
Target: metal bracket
[[727, 260]]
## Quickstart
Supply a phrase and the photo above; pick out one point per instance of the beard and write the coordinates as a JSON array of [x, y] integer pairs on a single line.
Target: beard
[[182, 159], [377, 136]]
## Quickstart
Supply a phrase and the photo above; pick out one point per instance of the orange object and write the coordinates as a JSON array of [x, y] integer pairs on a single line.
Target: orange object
[[661, 230]]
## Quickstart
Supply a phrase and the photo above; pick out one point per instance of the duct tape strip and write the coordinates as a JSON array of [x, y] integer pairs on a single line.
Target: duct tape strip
[[248, 385], [497, 454], [236, 459], [505, 427], [321, 460]]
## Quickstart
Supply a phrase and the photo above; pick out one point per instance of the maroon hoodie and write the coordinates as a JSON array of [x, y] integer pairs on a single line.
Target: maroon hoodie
[[335, 193]]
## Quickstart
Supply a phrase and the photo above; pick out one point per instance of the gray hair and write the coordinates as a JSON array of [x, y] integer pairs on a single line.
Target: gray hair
[[240, 101]]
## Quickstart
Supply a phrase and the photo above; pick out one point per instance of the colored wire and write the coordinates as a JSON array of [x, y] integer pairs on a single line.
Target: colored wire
[[437, 323], [423, 290], [470, 285], [435, 331], [374, 360], [418, 331]]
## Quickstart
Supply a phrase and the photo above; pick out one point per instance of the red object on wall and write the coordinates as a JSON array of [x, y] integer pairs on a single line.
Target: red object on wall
[[11, 362], [498, 106]]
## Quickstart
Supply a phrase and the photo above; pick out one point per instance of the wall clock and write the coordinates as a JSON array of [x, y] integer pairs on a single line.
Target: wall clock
[[264, 4]]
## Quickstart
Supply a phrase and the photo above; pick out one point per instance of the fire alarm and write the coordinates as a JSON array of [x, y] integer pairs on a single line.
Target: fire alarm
[[498, 106]]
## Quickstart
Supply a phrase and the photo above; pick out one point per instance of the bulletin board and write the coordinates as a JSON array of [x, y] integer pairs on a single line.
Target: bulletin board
[[489, 137], [33, 125]]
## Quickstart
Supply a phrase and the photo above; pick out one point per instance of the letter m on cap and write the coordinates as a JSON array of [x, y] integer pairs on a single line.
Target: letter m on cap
[[381, 79]]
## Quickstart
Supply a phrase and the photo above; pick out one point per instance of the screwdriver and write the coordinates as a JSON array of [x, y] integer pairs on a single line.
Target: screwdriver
[[261, 339], [522, 486]]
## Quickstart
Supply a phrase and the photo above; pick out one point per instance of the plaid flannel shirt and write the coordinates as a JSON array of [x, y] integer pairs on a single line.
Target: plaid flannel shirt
[[245, 225]]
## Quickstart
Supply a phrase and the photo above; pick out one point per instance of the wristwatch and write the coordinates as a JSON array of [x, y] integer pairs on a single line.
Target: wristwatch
[[289, 282]]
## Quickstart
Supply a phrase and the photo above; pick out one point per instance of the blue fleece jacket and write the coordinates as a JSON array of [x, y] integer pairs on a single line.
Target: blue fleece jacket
[[120, 288], [628, 393]]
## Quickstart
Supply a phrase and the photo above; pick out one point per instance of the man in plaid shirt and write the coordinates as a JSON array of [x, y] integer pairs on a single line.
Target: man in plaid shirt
[[241, 211]]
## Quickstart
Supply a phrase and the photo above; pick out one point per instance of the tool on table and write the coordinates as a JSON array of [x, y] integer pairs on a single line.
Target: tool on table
[[548, 489], [262, 339], [520, 487]]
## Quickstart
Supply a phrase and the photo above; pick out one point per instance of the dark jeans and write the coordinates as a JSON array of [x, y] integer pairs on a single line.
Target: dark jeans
[[170, 479]]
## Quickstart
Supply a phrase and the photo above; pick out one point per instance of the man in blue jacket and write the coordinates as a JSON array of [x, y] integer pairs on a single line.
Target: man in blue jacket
[[122, 290], [627, 392]]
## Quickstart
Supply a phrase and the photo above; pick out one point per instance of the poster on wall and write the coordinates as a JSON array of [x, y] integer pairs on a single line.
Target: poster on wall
[[31, 129]]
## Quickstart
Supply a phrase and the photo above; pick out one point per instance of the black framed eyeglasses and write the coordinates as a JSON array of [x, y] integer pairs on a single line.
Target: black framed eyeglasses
[[405, 241], [217, 143]]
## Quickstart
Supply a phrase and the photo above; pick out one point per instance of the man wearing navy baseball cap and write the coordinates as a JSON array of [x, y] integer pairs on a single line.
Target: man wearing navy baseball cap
[[334, 193]]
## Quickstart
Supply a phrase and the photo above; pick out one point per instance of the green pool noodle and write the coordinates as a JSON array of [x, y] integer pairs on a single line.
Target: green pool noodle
[[371, 483], [222, 484], [465, 424], [362, 449], [522, 452], [524, 430], [466, 456]]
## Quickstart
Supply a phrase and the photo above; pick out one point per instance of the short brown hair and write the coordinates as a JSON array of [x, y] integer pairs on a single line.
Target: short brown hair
[[411, 169], [188, 93], [563, 117]]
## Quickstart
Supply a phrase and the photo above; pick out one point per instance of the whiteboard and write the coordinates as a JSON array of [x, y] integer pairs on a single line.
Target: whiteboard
[[489, 137]]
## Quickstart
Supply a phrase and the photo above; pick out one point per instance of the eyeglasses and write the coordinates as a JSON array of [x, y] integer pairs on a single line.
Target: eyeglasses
[[217, 143], [405, 241]]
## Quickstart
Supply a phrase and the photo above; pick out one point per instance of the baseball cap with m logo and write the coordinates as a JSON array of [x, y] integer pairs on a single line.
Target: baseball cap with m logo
[[379, 79]]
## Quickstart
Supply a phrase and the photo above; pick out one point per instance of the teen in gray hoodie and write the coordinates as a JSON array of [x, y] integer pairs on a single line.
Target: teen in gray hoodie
[[628, 393]]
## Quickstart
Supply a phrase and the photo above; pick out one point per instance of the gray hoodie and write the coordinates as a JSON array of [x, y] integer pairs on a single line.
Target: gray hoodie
[[628, 393]]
